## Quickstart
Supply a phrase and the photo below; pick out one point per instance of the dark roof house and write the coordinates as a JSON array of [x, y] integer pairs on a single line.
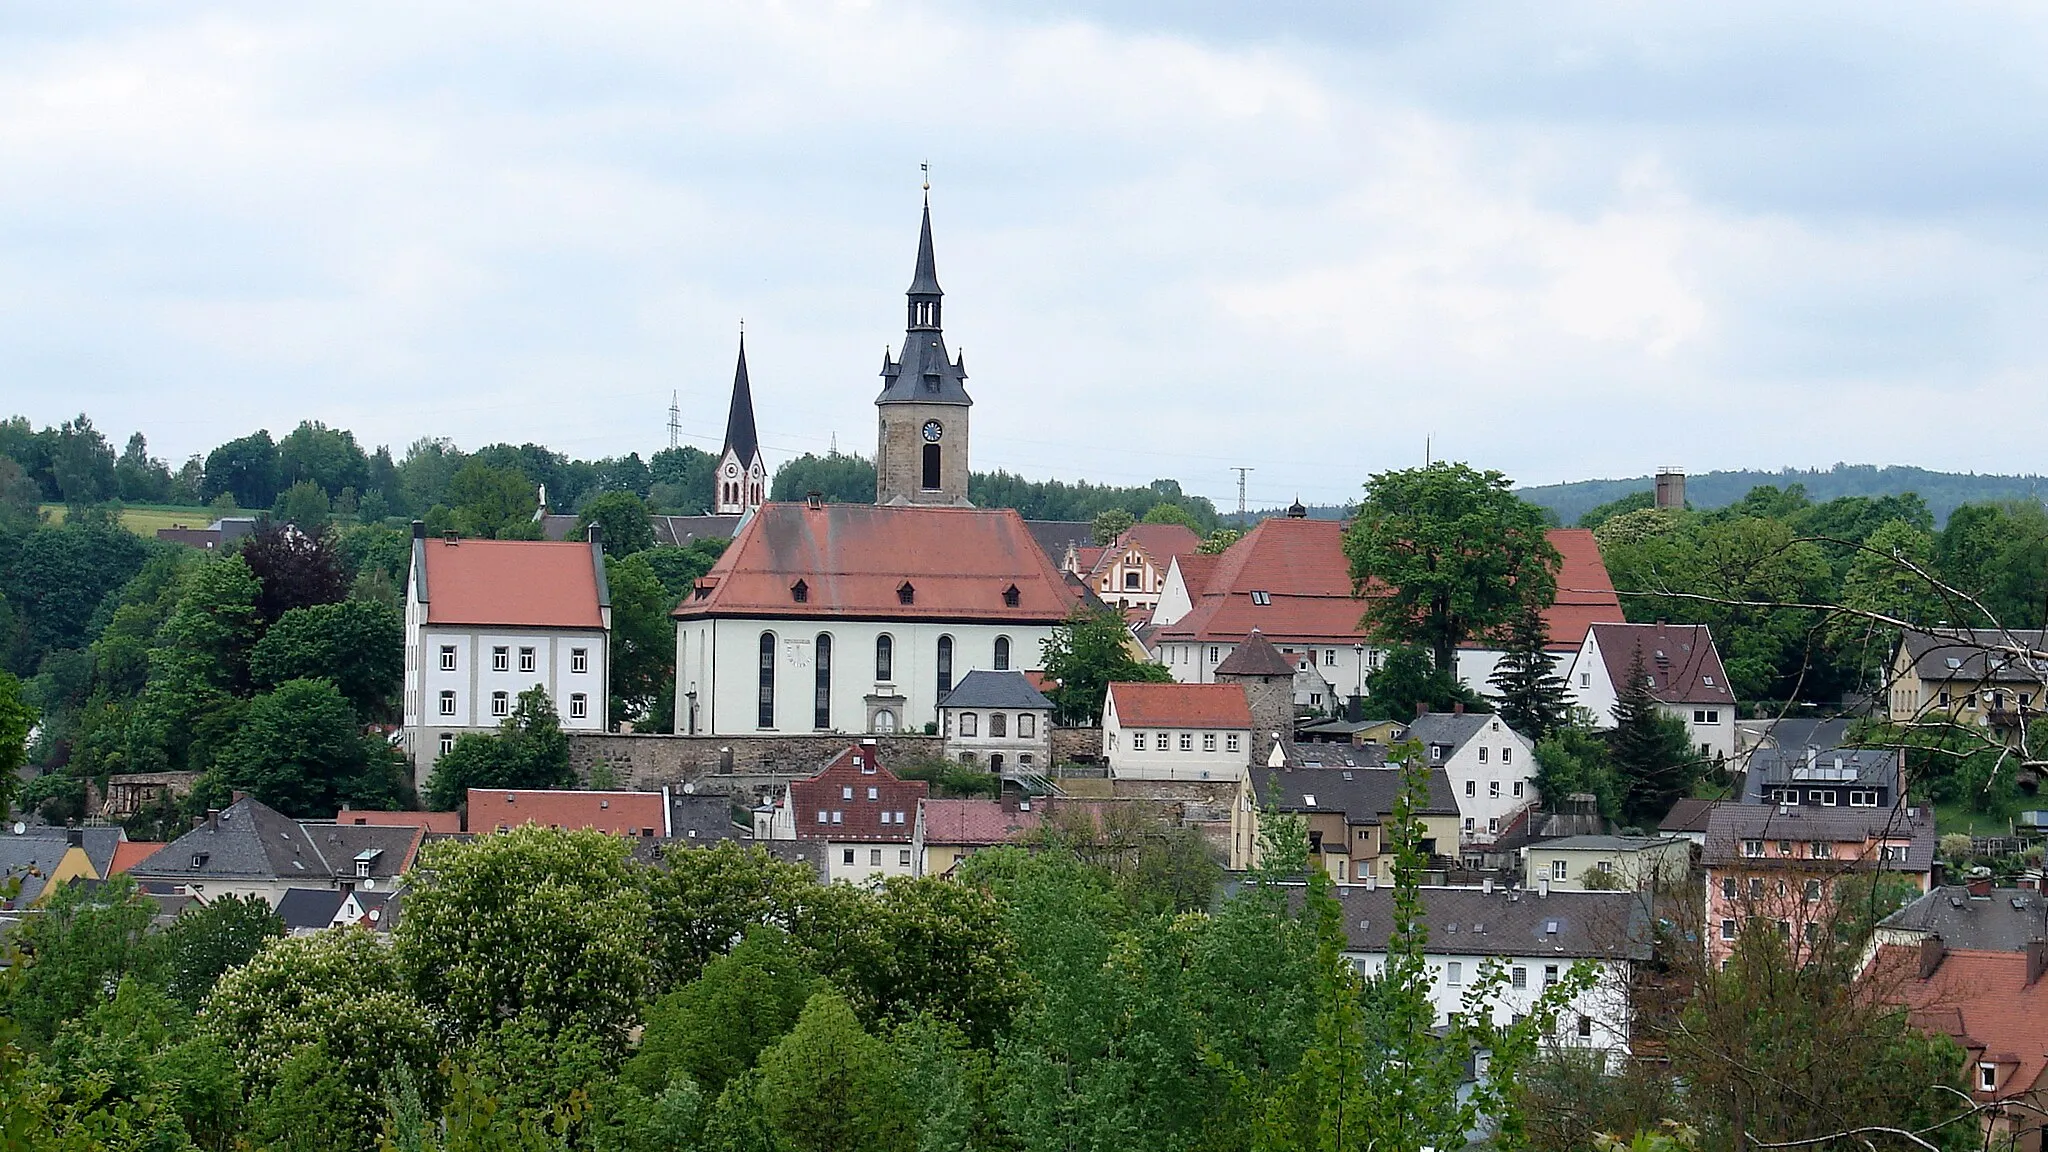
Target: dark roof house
[[982, 688], [1507, 922]]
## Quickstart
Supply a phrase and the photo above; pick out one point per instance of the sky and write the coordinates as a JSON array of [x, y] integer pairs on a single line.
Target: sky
[[1563, 240]]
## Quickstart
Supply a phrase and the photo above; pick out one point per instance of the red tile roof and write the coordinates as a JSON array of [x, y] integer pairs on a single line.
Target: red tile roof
[[1160, 542], [1180, 705], [521, 583], [1681, 660], [1301, 566], [842, 788], [974, 822], [442, 822], [619, 813], [129, 853], [1982, 1000], [854, 559]]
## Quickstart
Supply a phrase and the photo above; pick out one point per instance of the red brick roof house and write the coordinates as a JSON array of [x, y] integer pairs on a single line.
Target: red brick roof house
[[862, 813], [636, 814], [1995, 1006], [948, 831], [1177, 731], [1130, 572], [1682, 666]]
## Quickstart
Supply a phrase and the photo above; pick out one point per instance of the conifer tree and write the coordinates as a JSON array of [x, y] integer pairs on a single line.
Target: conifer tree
[[1650, 749], [1532, 694]]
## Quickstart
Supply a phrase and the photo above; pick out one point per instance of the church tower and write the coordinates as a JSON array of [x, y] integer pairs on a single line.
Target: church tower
[[742, 480], [921, 456]]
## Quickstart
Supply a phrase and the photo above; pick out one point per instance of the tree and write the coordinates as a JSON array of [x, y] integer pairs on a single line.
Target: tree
[[703, 899], [1084, 655], [138, 478], [1574, 760], [1110, 525], [529, 750], [1171, 514], [305, 507], [1651, 752], [300, 750], [1218, 542], [841, 478], [1532, 697], [244, 469], [327, 458], [494, 503], [1407, 682], [681, 481], [83, 940], [714, 1027], [16, 718], [207, 940], [643, 655], [623, 519], [678, 568], [82, 462], [297, 569], [534, 922], [829, 1086], [358, 645], [1447, 553]]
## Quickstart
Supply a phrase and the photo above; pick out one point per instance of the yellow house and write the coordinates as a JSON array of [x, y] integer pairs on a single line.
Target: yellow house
[[43, 864], [949, 831], [1347, 811], [1967, 676]]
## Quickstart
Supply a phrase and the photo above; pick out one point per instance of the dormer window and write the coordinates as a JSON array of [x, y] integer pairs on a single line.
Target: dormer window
[[800, 592], [1262, 599], [1011, 596], [905, 593]]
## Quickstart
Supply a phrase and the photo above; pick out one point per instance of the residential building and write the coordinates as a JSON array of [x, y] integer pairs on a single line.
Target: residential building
[[438, 823], [921, 449], [1269, 680], [1994, 1005], [1973, 917], [858, 810], [1980, 677], [1688, 820], [307, 911], [486, 620], [634, 814], [1608, 863], [1825, 777], [1783, 864], [42, 864], [1176, 732], [741, 482], [998, 719], [1346, 812], [1289, 579], [854, 618], [1683, 668], [949, 831], [250, 849], [223, 531], [1535, 936], [1492, 768], [1130, 571]]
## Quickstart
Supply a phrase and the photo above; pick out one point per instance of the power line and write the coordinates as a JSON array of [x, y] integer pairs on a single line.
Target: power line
[[675, 419], [1242, 472]]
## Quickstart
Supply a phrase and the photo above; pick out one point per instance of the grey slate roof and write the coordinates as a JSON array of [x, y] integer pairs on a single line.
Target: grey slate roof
[[1256, 657], [683, 530], [1363, 795], [29, 859], [1688, 815], [1452, 729], [1976, 655], [982, 688], [1319, 755], [309, 908], [700, 819], [1053, 536], [740, 438], [924, 374], [2008, 921], [1730, 824], [1840, 767], [1604, 843], [251, 841], [1505, 922], [1799, 732]]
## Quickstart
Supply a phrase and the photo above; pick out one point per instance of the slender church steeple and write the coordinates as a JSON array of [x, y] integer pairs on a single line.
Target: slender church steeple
[[921, 453], [742, 480]]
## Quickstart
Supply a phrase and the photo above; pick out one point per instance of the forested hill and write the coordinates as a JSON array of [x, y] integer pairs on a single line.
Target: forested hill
[[1943, 491]]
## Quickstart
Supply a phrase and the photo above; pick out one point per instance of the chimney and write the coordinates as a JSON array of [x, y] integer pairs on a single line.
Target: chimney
[[596, 533], [1457, 708], [419, 529], [1372, 880], [814, 499], [1980, 887], [75, 837], [1543, 887], [1486, 886], [1670, 489], [1931, 952], [213, 819], [1421, 709], [2037, 960]]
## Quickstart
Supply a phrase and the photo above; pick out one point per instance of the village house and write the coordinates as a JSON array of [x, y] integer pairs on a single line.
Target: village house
[[998, 720], [858, 810], [1975, 917], [1346, 811], [949, 831], [306, 911], [1491, 766], [1131, 570], [1783, 865], [1978, 677], [1177, 732], [633, 814], [1685, 677], [486, 620], [251, 849], [1825, 777], [1607, 862], [1536, 936], [42, 864]]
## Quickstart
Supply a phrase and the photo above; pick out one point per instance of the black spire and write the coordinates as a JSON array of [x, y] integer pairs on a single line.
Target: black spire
[[925, 281], [740, 437], [924, 372]]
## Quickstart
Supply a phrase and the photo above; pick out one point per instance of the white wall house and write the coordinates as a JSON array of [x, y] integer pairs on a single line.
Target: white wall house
[[1597, 862], [1536, 936], [859, 813], [1131, 572], [1492, 768], [1683, 667], [1177, 732], [486, 620], [856, 618], [999, 721]]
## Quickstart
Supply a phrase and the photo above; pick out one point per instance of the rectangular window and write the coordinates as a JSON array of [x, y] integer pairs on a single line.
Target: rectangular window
[[1187, 742], [1493, 789], [1518, 976], [1472, 788], [1699, 716], [1507, 755], [824, 817], [1549, 975], [447, 742], [1585, 679], [501, 704], [1821, 849], [1813, 891], [1728, 888], [846, 857], [1752, 847], [1727, 929], [1713, 716], [1230, 742], [1518, 789], [447, 657], [873, 793], [1585, 1027], [1468, 824], [1493, 825], [838, 816], [1892, 854], [1454, 973], [1212, 653], [526, 659], [1137, 741], [1482, 754], [579, 706], [501, 659], [1330, 658], [846, 792], [874, 857], [447, 703], [1208, 741], [1557, 870], [579, 660], [903, 858], [1987, 1077]]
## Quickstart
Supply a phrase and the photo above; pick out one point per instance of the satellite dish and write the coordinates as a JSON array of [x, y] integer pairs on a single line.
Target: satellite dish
[[20, 828]]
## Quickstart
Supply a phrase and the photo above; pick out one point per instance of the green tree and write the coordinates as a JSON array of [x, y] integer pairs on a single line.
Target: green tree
[[1888, 576], [829, 1086], [529, 750], [643, 654], [1575, 760], [1084, 655], [1450, 553], [84, 940], [681, 481], [304, 506], [357, 645], [1407, 681], [245, 470], [1530, 695], [139, 478], [679, 567], [1650, 750], [198, 669], [16, 718], [538, 923], [327, 458], [1633, 502], [622, 518], [82, 462], [1111, 524], [300, 750], [703, 899], [1171, 514], [1218, 542], [840, 477], [494, 503], [714, 1027], [206, 940]]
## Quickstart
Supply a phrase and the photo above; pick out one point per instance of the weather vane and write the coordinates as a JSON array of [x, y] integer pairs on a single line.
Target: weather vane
[[926, 168]]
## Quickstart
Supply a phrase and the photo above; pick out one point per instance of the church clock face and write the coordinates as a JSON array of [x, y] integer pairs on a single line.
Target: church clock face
[[932, 431], [732, 470]]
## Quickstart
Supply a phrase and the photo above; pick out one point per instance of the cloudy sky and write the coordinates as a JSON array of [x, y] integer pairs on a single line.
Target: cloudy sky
[[1564, 240]]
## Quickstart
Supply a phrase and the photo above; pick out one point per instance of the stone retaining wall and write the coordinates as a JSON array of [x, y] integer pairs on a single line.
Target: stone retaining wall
[[649, 761], [1083, 744]]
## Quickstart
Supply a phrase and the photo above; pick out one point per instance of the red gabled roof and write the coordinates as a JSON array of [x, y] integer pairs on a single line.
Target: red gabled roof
[[619, 813], [974, 822], [519, 583], [1681, 660], [854, 559], [1161, 542], [1180, 705], [841, 789], [440, 822], [1585, 593], [129, 853], [1196, 570], [1982, 1000]]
